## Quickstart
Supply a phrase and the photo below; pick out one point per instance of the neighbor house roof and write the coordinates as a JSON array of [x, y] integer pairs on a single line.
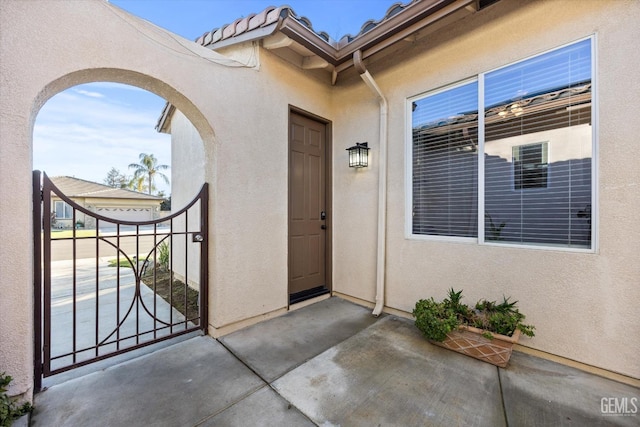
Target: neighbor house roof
[[76, 187], [569, 99]]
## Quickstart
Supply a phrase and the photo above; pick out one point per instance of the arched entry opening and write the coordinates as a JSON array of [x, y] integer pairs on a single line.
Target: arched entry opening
[[110, 284]]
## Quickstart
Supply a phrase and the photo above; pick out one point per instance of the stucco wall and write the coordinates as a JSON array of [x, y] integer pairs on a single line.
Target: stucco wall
[[187, 177], [249, 272], [247, 157], [583, 305], [47, 47]]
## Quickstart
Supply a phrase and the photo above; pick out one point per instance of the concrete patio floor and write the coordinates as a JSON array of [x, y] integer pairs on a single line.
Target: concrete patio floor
[[329, 364]]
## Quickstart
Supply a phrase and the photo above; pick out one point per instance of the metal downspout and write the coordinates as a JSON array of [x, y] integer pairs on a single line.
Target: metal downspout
[[382, 182]]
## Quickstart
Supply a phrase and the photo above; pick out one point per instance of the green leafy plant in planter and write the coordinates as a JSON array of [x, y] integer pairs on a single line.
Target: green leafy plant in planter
[[503, 318], [436, 319], [9, 410], [452, 324]]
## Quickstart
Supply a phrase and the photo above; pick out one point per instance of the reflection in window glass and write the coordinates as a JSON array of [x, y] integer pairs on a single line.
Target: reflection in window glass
[[445, 162], [537, 155], [540, 192]]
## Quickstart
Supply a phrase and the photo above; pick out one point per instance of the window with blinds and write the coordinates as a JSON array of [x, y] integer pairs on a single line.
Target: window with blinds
[[535, 142], [445, 162]]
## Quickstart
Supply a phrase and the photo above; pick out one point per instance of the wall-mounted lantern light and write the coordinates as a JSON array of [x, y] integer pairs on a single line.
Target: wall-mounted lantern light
[[359, 155]]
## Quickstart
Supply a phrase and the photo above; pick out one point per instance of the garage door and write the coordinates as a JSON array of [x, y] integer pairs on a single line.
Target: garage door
[[126, 214]]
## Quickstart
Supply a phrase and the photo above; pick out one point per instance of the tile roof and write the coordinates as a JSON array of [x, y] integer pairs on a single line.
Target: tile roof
[[273, 15], [76, 187], [400, 22], [372, 23]]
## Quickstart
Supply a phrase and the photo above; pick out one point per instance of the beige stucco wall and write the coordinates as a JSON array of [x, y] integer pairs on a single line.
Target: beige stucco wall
[[249, 269], [187, 178], [47, 47], [583, 305]]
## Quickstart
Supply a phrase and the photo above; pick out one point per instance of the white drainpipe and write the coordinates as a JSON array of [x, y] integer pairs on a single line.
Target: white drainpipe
[[382, 181]]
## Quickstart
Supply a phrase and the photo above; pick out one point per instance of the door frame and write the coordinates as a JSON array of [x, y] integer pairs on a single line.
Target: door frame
[[328, 178]]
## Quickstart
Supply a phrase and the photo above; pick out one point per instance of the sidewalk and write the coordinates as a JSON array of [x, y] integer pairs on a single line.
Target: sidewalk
[[330, 363]]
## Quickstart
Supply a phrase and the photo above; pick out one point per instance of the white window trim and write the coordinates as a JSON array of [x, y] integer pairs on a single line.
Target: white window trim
[[481, 170]]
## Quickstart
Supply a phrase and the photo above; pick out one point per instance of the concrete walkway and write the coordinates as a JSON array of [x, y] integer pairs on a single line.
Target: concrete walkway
[[330, 364]]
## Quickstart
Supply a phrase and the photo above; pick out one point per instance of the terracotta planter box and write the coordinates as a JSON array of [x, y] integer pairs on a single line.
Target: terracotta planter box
[[468, 340]]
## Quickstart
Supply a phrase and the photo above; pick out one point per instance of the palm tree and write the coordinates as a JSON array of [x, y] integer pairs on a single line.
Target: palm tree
[[147, 169], [137, 184]]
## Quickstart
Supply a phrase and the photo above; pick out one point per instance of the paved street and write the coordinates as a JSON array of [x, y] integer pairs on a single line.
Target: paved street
[[62, 249]]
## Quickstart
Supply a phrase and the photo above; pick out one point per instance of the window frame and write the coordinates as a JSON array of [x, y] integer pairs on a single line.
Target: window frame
[[480, 240], [64, 209], [409, 164]]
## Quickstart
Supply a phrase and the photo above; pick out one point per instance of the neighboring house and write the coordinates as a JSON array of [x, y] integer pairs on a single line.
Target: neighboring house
[[503, 159], [116, 203]]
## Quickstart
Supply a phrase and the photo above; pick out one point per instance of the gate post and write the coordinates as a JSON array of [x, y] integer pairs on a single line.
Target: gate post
[[37, 281], [204, 259]]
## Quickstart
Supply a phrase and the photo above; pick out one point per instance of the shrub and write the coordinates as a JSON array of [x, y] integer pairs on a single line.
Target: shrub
[[9, 411], [163, 255], [436, 319]]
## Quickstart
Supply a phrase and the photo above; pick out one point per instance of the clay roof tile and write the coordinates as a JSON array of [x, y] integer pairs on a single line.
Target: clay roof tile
[[216, 36], [229, 30], [259, 19], [273, 15], [243, 25]]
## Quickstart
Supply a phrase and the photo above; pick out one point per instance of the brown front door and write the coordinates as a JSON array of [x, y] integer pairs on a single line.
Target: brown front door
[[307, 208]]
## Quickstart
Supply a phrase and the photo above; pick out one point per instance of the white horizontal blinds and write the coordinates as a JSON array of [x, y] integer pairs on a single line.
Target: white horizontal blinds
[[538, 150], [445, 162]]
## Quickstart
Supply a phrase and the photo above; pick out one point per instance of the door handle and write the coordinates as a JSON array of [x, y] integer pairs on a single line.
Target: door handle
[[323, 227]]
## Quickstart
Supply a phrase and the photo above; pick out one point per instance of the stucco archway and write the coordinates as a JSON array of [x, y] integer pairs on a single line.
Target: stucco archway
[[129, 77], [47, 321], [46, 49]]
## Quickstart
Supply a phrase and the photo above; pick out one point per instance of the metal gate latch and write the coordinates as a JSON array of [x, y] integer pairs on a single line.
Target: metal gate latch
[[198, 238]]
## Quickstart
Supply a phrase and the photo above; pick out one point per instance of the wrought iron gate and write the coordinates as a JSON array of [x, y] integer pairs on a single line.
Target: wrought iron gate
[[105, 286]]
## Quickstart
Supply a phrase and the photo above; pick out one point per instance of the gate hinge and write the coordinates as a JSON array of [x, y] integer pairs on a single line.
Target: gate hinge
[[41, 196]]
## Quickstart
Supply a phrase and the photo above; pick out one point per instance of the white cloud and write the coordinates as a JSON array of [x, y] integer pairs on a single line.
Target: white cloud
[[89, 93], [79, 134], [117, 86]]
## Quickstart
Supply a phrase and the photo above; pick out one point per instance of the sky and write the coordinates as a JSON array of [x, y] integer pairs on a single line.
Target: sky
[[88, 129]]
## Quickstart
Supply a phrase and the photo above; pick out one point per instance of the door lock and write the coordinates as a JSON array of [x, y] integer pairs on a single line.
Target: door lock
[[323, 215]]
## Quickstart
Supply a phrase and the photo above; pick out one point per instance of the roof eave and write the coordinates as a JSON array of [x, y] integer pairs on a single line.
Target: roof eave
[[162, 126], [300, 33], [413, 18]]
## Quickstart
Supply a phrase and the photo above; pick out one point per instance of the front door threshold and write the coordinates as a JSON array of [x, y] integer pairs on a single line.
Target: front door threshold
[[307, 294]]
